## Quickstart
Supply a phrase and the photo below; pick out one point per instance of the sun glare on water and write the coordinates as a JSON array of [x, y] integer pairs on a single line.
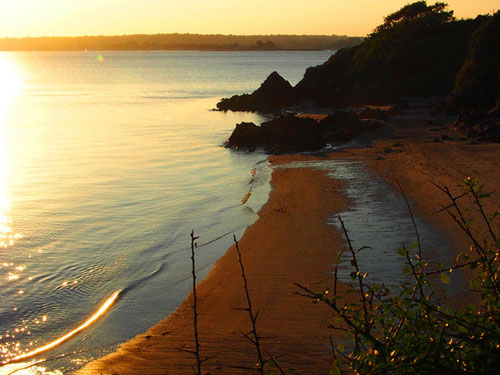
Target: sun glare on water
[[10, 88]]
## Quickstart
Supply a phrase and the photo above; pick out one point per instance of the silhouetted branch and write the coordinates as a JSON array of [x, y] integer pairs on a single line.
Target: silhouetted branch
[[253, 317], [195, 308], [358, 273]]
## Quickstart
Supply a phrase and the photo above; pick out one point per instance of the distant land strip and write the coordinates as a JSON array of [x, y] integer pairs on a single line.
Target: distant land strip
[[166, 42]]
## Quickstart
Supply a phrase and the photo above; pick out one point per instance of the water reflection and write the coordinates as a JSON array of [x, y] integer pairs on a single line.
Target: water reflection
[[10, 87], [101, 311]]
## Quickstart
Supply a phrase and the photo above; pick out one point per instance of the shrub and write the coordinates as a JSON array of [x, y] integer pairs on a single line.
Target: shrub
[[412, 331]]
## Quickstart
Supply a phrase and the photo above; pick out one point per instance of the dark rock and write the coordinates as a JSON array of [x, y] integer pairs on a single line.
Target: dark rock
[[275, 92], [374, 114], [286, 133], [346, 125], [247, 135], [289, 133], [479, 125]]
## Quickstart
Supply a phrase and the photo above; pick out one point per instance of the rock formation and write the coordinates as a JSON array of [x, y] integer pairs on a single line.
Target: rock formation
[[289, 133], [479, 125], [286, 133], [275, 92]]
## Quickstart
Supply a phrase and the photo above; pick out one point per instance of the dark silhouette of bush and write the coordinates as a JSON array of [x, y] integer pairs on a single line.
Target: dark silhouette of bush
[[418, 12], [411, 330]]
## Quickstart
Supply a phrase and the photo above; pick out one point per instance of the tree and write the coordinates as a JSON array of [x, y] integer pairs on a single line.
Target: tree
[[417, 12]]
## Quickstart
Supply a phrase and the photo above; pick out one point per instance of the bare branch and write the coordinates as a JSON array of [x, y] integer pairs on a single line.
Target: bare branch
[[195, 308], [252, 316]]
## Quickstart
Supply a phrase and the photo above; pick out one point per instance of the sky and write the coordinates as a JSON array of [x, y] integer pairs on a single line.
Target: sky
[[115, 17]]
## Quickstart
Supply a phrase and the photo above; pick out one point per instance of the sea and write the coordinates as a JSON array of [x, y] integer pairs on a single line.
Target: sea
[[108, 161]]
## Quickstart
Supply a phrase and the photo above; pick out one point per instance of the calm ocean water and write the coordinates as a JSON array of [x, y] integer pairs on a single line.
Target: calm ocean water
[[107, 161]]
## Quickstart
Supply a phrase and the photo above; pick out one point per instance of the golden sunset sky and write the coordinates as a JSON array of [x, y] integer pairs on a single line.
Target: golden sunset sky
[[115, 17]]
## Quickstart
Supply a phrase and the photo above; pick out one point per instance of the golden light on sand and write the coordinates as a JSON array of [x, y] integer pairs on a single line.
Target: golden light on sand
[[101, 311]]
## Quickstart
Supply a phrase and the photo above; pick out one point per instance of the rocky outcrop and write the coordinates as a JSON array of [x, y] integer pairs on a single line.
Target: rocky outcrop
[[346, 125], [290, 133], [286, 133], [246, 135], [479, 125], [275, 92]]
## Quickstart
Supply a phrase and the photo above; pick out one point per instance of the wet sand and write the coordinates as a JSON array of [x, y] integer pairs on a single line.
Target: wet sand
[[410, 154], [291, 242]]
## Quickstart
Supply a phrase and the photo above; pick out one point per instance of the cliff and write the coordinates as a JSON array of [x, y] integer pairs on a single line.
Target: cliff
[[420, 50]]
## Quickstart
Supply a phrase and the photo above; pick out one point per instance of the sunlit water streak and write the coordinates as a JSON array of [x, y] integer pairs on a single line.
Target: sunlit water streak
[[10, 87], [99, 313], [106, 164]]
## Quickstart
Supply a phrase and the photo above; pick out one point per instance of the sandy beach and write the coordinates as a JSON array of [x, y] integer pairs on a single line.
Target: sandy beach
[[291, 242]]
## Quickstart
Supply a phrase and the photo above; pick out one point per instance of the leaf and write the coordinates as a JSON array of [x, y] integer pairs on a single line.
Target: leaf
[[444, 278], [402, 251], [353, 275]]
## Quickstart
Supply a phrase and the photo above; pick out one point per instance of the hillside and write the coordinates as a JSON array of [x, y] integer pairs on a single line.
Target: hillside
[[417, 51]]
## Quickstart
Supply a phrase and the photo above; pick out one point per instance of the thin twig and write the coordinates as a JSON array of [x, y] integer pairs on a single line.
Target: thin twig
[[195, 308], [252, 316], [275, 362], [412, 219], [358, 273]]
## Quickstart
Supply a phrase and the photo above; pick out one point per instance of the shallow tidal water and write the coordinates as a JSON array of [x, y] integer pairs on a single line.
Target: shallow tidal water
[[378, 217]]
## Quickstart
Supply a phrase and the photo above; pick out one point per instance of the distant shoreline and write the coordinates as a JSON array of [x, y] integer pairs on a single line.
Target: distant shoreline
[[181, 42], [171, 50]]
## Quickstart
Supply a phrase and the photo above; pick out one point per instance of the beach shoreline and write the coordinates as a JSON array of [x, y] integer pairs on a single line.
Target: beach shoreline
[[289, 243]]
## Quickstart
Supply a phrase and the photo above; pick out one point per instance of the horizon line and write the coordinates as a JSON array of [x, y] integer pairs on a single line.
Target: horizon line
[[173, 33]]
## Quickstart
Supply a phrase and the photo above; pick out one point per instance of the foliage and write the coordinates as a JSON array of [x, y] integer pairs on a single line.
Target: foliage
[[412, 331], [478, 80], [417, 51], [419, 11]]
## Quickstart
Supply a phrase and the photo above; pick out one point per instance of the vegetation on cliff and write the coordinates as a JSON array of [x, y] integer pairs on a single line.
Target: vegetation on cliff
[[417, 51], [478, 80]]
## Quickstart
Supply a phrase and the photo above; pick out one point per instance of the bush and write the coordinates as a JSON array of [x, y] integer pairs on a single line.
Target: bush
[[412, 331]]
